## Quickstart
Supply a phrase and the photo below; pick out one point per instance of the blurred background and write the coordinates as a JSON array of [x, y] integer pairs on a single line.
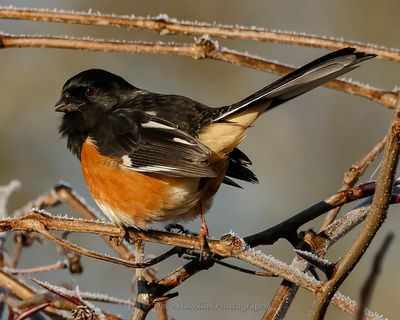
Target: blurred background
[[300, 150]]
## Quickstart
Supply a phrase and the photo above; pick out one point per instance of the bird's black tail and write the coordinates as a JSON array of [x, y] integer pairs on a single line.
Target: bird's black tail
[[299, 81], [228, 124]]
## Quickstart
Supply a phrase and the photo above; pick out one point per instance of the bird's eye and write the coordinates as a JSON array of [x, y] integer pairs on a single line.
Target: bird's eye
[[90, 91], [67, 95]]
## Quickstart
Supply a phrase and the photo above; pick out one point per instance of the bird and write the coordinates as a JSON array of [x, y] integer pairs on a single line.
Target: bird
[[149, 157]]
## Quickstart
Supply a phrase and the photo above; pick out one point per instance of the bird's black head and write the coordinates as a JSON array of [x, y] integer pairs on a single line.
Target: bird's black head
[[85, 98]]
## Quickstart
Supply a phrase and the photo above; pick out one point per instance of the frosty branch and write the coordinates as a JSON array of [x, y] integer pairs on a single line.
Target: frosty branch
[[228, 246], [321, 242], [376, 216], [164, 25], [202, 49]]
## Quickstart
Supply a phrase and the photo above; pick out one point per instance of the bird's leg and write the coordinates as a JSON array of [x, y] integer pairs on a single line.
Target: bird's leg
[[203, 234]]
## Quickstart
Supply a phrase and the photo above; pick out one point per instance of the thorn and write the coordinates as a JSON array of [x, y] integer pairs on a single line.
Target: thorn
[[324, 265], [166, 297]]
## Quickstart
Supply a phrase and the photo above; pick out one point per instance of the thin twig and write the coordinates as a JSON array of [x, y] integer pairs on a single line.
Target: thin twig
[[370, 282], [288, 228], [163, 25], [103, 298], [307, 282], [31, 311], [72, 199], [244, 270], [374, 220], [17, 251], [228, 246], [143, 301], [66, 195], [74, 297], [287, 291], [52, 267], [201, 50], [195, 256], [41, 223], [24, 292], [352, 175]]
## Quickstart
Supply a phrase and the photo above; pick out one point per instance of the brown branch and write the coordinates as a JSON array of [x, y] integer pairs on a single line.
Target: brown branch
[[374, 220], [340, 227], [30, 298], [201, 50], [190, 269], [23, 292], [41, 223], [17, 251], [228, 246], [288, 229], [207, 49], [182, 274], [143, 303], [66, 195], [287, 291], [164, 25], [52, 267], [31, 311], [307, 282], [369, 284], [352, 175]]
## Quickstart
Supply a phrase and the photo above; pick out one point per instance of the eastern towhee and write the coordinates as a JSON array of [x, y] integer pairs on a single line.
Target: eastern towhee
[[147, 156]]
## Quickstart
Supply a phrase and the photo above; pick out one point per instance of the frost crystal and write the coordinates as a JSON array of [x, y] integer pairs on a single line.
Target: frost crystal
[[313, 258]]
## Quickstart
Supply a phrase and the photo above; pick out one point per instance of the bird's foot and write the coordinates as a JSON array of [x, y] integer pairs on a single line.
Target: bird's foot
[[175, 226]]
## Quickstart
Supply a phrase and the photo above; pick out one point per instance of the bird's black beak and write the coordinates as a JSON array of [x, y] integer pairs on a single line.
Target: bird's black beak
[[66, 107]]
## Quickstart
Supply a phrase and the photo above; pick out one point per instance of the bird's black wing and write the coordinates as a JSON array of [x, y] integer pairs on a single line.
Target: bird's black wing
[[147, 143]]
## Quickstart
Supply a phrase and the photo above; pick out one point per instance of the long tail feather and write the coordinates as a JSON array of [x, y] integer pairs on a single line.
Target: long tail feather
[[299, 81]]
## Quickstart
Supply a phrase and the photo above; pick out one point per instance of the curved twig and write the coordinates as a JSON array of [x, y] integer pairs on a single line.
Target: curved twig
[[200, 50], [228, 246]]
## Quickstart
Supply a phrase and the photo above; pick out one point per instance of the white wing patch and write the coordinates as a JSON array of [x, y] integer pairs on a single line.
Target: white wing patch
[[156, 125], [183, 141], [151, 113], [155, 168], [161, 147], [126, 161]]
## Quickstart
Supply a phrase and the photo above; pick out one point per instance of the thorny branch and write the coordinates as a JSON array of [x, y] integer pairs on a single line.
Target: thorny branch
[[376, 216], [228, 246], [161, 287], [287, 291], [166, 284], [164, 25], [351, 176], [202, 49]]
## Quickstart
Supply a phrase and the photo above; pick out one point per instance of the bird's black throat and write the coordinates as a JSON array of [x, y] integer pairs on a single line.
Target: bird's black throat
[[73, 128]]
